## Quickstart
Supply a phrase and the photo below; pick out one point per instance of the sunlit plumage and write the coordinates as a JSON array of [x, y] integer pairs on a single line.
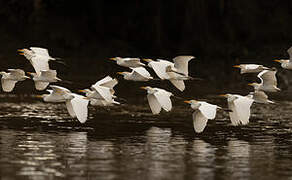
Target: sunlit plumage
[[240, 108], [55, 95], [268, 81], [77, 106], [175, 72], [137, 74], [203, 112], [9, 79], [259, 97], [128, 62], [250, 68], [38, 57], [158, 98], [43, 79]]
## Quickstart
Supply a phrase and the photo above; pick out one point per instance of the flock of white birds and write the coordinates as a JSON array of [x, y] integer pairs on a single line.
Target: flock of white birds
[[102, 93]]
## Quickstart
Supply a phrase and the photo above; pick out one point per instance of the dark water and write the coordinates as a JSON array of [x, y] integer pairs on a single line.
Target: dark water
[[40, 141]]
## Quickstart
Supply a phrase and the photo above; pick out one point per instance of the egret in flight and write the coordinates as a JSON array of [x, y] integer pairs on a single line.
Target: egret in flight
[[55, 94], [176, 72], [9, 79], [43, 79], [286, 63], [259, 97], [250, 68], [268, 81], [240, 108], [137, 74], [203, 112], [38, 57], [158, 98], [128, 62]]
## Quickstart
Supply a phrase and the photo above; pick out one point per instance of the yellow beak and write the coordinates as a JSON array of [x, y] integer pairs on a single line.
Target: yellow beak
[[39, 96], [143, 87], [147, 60], [113, 59], [236, 66], [250, 84], [187, 102], [20, 50], [223, 95], [277, 60], [120, 73], [83, 91]]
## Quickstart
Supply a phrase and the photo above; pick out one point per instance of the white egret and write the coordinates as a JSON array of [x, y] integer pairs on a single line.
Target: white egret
[[203, 112], [43, 79], [137, 74], [9, 79], [77, 106], [268, 81], [56, 94], [175, 72], [158, 98], [38, 57], [286, 63], [128, 62], [250, 68], [240, 108], [259, 97]]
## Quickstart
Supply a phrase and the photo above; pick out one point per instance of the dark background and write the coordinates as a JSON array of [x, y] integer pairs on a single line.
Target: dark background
[[86, 33]]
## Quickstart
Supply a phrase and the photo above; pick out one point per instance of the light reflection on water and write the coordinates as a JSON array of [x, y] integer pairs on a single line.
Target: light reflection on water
[[137, 151]]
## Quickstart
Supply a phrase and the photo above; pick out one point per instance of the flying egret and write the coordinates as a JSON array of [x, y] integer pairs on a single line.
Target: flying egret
[[175, 72], [102, 90], [286, 63], [259, 97], [268, 81], [43, 79], [77, 106], [9, 79], [158, 98], [56, 94], [240, 108], [128, 62], [203, 112], [250, 68], [38, 57], [137, 74]]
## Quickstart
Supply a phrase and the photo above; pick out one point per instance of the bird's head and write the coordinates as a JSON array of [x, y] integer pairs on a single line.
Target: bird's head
[[2, 73], [281, 61]]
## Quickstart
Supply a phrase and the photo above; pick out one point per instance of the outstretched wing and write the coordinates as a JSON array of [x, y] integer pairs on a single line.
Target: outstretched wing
[[179, 84], [39, 85], [208, 110], [199, 121], [141, 71], [79, 106], [40, 63], [163, 97], [8, 85], [103, 92], [268, 77], [40, 51], [59, 89], [154, 104], [50, 74], [242, 107], [106, 82], [160, 68], [17, 72], [181, 63]]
